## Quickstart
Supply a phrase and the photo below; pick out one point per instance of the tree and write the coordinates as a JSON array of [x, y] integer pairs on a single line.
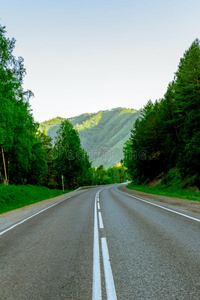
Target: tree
[[187, 95], [50, 176], [71, 160], [187, 91]]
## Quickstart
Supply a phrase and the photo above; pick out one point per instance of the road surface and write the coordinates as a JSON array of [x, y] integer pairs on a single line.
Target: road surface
[[100, 243]]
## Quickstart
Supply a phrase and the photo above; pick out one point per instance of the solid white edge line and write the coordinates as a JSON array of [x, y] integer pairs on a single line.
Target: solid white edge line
[[96, 290], [168, 209], [100, 221], [110, 286]]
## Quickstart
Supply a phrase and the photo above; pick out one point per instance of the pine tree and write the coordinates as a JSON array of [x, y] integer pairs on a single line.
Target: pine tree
[[187, 91], [187, 95]]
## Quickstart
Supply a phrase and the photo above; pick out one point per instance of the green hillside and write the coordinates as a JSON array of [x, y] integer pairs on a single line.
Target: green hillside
[[102, 134]]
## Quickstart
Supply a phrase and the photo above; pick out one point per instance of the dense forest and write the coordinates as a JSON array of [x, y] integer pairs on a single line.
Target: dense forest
[[165, 140], [28, 156]]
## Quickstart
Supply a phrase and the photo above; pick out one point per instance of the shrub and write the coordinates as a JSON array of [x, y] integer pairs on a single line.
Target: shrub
[[107, 180]]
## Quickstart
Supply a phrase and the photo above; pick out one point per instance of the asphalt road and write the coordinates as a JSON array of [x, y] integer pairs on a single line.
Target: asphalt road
[[100, 244]]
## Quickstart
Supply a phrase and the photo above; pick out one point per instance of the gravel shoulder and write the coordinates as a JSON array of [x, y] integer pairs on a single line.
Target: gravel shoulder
[[182, 205]]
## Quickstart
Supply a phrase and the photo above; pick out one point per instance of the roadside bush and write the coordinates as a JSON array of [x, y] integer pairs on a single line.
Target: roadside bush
[[172, 178], [107, 180]]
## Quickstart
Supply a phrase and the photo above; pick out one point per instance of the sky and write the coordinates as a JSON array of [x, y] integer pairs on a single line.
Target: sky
[[82, 56]]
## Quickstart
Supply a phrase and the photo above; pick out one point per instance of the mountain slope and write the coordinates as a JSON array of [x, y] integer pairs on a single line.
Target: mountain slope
[[102, 134]]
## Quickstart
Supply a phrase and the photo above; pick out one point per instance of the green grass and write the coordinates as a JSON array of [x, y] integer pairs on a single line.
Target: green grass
[[188, 194], [12, 197]]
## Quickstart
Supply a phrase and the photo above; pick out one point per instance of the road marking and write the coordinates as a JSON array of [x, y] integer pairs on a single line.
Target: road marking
[[110, 286], [98, 205], [176, 212], [96, 292], [100, 221]]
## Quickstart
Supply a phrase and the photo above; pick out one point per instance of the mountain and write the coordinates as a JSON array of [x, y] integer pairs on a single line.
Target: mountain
[[102, 134]]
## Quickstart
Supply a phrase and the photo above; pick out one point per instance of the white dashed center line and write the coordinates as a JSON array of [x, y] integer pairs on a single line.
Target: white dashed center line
[[110, 286]]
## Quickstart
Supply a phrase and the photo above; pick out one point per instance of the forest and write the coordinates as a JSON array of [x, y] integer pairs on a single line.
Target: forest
[[165, 139]]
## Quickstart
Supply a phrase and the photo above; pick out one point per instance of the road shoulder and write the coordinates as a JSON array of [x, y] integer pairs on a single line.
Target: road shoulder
[[181, 205]]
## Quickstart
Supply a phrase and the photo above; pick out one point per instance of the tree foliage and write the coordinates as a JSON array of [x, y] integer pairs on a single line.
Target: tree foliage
[[18, 131], [115, 174]]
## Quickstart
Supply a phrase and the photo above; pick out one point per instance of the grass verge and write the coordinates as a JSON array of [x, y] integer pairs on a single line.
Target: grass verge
[[188, 194], [12, 197]]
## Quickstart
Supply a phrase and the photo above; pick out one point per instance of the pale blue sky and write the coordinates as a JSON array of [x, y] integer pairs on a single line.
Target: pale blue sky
[[89, 55]]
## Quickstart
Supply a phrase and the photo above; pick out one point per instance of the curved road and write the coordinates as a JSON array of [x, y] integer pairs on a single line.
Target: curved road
[[100, 243]]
